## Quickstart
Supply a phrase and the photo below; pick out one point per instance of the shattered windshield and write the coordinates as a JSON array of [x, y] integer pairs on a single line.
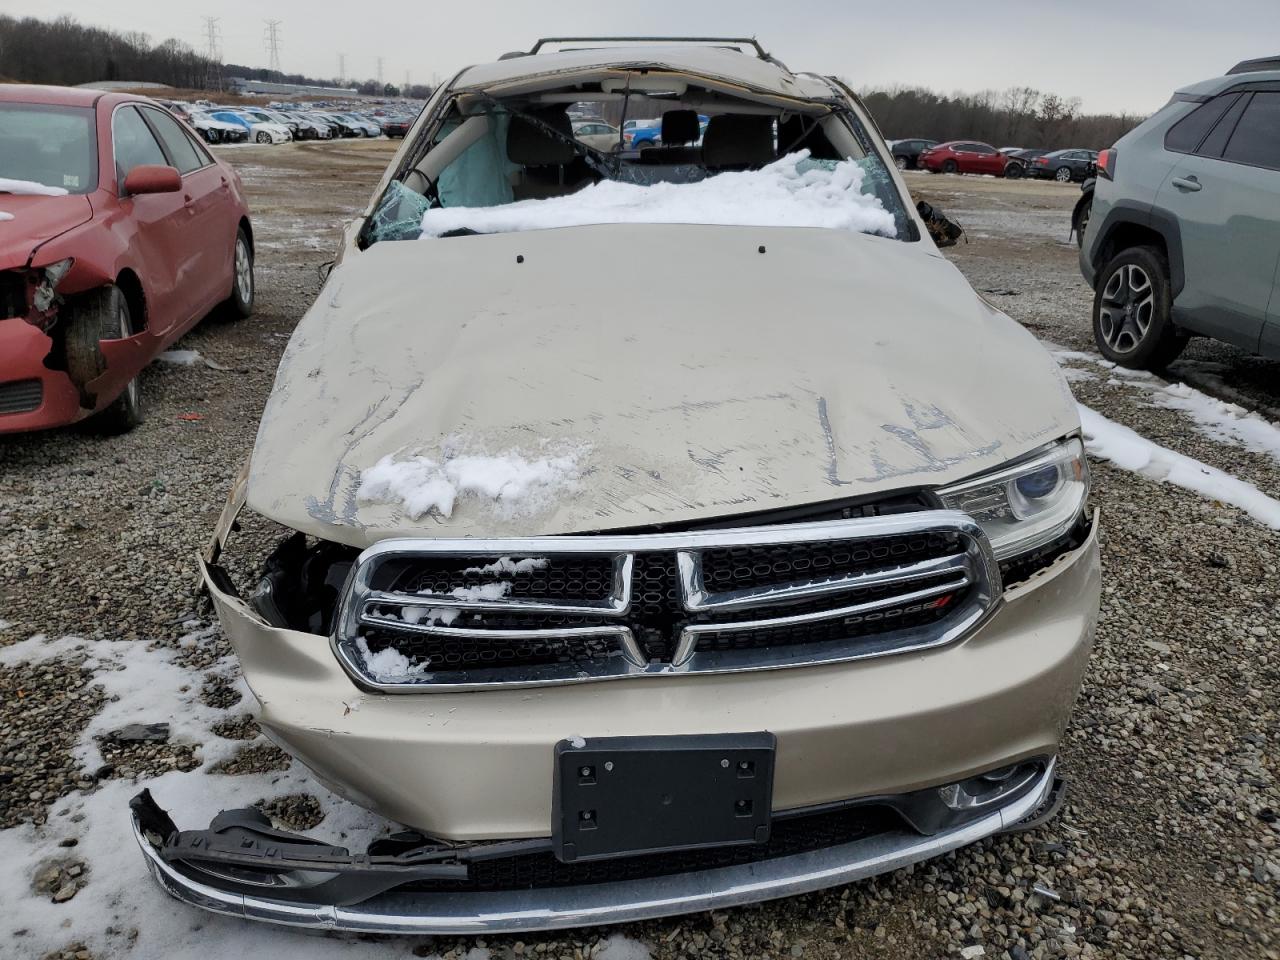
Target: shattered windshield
[[503, 166]]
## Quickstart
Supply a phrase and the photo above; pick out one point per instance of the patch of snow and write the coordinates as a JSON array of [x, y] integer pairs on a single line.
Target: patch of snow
[[120, 911], [5, 216], [1131, 451], [516, 485], [442, 616], [1224, 422], [791, 192], [1216, 419], [577, 743], [184, 358], [621, 947], [29, 188], [506, 565], [390, 666], [485, 591]]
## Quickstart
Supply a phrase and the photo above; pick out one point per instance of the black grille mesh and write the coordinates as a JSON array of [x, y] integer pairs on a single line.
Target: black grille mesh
[[657, 615], [789, 836], [21, 396]]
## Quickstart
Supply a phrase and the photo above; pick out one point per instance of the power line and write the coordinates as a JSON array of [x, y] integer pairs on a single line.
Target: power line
[[272, 35], [213, 53]]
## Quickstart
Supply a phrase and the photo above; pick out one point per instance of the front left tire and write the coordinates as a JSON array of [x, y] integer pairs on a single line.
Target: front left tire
[[102, 315]]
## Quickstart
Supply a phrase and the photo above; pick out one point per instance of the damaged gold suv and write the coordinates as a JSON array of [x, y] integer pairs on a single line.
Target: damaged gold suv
[[779, 576]]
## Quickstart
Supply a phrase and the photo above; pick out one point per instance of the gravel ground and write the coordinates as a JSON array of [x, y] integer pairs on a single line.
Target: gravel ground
[[1167, 846]]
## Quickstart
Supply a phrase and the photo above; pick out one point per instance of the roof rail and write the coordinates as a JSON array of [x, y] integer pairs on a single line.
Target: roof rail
[[739, 42], [1253, 66]]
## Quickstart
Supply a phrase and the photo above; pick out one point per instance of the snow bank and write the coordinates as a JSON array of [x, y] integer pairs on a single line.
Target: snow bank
[[1131, 451], [1216, 419], [29, 188], [791, 192], [515, 484]]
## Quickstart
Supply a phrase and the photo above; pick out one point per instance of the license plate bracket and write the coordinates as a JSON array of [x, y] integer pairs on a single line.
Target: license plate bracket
[[622, 796]]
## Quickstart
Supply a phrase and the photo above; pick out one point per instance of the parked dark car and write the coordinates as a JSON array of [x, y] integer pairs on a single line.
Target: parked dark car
[[1017, 161], [906, 153], [963, 156], [395, 126], [1065, 166]]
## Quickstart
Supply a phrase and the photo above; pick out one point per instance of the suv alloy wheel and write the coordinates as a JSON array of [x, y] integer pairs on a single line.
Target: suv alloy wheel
[[1131, 311]]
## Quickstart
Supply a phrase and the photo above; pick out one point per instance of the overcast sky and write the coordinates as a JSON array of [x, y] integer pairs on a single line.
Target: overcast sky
[[1122, 55]]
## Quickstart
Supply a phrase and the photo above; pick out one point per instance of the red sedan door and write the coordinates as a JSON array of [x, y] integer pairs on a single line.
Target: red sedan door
[[164, 244], [204, 278], [987, 159]]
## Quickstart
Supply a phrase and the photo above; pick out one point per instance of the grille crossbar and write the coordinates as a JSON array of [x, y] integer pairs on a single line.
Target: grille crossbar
[[869, 586]]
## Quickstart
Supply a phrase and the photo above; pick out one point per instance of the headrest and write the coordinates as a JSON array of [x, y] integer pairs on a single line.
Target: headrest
[[531, 146], [679, 126], [738, 140]]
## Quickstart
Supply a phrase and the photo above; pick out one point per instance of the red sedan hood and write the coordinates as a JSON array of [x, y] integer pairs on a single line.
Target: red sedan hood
[[35, 221]]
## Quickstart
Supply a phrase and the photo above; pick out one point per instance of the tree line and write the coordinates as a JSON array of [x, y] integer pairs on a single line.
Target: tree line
[[65, 52], [1018, 116]]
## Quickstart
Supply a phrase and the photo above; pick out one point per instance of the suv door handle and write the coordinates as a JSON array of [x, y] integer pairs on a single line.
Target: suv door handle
[[1190, 184]]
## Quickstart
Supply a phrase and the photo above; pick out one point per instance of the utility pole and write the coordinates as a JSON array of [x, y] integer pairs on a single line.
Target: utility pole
[[213, 53], [379, 74], [404, 91], [272, 34], [342, 68]]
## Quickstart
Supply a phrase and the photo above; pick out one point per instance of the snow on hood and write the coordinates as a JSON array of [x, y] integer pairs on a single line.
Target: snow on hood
[[832, 365], [5, 216], [29, 188], [791, 192]]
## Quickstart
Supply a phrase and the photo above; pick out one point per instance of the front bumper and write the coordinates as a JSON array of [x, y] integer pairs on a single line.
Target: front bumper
[[846, 730], [23, 348], [549, 908]]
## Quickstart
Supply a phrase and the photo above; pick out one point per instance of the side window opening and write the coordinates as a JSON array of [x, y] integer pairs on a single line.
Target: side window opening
[[1187, 134]]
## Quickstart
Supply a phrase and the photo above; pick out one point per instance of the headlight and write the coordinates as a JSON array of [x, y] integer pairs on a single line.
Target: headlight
[[1029, 504]]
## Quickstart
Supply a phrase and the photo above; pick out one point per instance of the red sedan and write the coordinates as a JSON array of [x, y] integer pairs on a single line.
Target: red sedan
[[963, 156], [119, 231]]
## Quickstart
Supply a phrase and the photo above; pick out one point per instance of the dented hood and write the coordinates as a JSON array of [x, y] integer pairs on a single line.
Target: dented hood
[[703, 371], [36, 220]]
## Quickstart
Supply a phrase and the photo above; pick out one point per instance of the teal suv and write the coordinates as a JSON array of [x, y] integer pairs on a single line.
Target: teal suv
[[1184, 234]]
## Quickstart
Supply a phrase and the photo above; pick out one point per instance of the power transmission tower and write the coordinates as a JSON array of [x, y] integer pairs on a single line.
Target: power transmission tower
[[342, 68], [379, 74], [273, 44], [213, 53], [404, 91]]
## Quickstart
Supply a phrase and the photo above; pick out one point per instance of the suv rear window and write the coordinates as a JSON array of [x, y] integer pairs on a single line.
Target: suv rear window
[[1256, 140], [1188, 133]]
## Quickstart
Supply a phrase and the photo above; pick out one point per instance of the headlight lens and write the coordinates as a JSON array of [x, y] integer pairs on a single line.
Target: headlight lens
[[1029, 504]]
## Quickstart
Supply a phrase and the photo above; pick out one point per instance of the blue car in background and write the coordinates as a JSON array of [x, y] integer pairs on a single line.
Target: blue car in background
[[648, 133], [259, 131]]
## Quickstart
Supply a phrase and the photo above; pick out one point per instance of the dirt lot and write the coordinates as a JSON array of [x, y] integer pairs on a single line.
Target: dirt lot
[[1166, 848]]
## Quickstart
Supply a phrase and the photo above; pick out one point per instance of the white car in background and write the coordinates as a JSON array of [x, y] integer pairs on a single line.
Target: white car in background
[[598, 134], [217, 131]]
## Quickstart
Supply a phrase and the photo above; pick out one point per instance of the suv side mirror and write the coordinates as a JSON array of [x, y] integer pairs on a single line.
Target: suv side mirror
[[152, 178]]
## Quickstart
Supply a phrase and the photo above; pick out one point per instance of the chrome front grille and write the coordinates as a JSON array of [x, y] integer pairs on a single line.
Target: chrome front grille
[[420, 615]]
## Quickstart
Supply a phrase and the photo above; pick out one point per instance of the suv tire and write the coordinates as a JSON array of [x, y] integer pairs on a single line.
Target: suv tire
[[1131, 311]]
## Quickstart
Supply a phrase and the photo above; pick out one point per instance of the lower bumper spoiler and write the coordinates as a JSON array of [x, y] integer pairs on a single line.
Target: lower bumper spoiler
[[512, 911]]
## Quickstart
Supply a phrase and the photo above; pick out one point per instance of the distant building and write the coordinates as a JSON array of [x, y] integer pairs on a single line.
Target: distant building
[[241, 85]]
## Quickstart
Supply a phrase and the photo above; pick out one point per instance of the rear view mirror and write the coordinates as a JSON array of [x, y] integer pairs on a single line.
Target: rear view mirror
[[152, 178], [945, 232]]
